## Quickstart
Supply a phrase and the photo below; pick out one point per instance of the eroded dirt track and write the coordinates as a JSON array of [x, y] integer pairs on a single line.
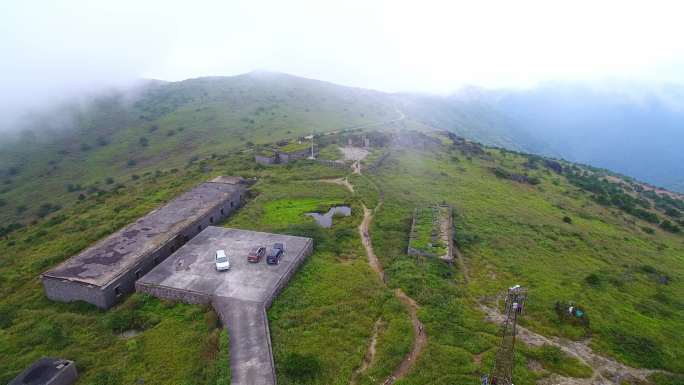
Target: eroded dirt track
[[606, 370], [420, 338]]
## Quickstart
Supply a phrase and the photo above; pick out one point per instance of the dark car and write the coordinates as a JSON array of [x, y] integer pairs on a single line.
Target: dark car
[[256, 254], [275, 253]]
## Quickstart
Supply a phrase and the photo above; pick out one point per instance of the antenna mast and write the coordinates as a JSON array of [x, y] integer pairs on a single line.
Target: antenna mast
[[504, 361]]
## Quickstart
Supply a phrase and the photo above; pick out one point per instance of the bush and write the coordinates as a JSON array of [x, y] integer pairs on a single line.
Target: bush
[[7, 315], [47, 208], [638, 349], [647, 230], [109, 180], [143, 141], [301, 367], [594, 280], [131, 163], [669, 226], [567, 219], [3, 202]]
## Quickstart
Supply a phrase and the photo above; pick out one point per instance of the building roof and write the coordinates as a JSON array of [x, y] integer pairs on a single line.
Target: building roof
[[41, 372], [102, 262]]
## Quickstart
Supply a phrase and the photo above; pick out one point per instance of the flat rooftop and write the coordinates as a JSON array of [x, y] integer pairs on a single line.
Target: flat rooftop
[[191, 268], [105, 260]]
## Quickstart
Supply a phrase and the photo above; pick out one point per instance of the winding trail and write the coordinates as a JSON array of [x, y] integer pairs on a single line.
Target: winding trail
[[370, 353], [420, 337], [341, 181]]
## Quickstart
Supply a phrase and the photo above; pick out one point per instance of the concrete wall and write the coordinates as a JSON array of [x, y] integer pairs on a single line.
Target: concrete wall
[[265, 160], [63, 290], [172, 294], [286, 277], [288, 157], [106, 296]]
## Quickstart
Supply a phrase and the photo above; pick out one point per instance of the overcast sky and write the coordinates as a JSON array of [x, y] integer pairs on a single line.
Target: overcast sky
[[49, 47]]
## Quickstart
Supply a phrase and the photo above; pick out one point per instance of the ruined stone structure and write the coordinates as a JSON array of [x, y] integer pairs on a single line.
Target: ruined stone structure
[[48, 371], [106, 271], [442, 232]]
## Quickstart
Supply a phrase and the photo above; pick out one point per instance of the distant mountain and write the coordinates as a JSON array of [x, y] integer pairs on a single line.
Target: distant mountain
[[94, 143], [636, 131]]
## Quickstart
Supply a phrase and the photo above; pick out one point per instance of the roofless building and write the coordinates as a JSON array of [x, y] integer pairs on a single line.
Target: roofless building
[[106, 271]]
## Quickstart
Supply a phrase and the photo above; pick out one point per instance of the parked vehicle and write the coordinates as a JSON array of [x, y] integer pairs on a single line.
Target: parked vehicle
[[222, 262], [256, 254], [273, 257]]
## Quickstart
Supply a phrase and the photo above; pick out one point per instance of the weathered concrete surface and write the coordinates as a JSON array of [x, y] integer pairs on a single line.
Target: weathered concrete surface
[[103, 273], [251, 361], [240, 296]]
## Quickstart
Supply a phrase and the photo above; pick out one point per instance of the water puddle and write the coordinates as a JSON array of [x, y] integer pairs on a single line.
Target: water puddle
[[326, 220]]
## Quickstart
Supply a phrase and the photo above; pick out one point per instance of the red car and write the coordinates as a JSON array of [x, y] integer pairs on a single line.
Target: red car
[[256, 254]]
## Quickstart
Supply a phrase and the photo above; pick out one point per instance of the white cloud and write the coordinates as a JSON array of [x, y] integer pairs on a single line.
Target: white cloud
[[435, 46]]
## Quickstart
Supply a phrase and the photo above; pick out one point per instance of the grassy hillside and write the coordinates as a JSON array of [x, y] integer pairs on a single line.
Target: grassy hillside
[[569, 233], [512, 232], [84, 149]]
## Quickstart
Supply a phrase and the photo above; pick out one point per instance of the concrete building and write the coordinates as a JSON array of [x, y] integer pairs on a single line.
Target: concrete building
[[106, 271], [240, 295], [48, 371], [284, 152]]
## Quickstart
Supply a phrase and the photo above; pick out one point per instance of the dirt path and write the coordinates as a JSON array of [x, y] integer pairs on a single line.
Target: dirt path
[[420, 338], [606, 371], [370, 354], [341, 181]]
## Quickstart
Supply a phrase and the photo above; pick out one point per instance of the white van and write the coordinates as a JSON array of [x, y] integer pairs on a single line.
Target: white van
[[222, 262]]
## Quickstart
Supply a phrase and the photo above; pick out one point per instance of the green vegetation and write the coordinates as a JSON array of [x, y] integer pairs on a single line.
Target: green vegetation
[[281, 212], [426, 238], [511, 233], [295, 146], [330, 152], [554, 360], [323, 320], [569, 233]]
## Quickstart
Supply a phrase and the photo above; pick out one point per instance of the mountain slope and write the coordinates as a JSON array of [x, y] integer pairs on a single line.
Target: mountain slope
[[623, 270], [81, 149], [633, 130]]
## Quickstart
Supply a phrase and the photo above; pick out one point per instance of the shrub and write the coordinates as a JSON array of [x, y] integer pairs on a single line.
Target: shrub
[[669, 226], [109, 180], [301, 367], [594, 280], [567, 219], [143, 141], [131, 163], [7, 315], [639, 349], [135, 176], [647, 230], [3, 202], [47, 208]]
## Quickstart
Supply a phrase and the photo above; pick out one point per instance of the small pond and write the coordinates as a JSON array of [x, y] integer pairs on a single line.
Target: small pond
[[326, 220]]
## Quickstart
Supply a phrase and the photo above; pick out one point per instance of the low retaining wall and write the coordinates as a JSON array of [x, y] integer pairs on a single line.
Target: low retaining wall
[[172, 294], [285, 278]]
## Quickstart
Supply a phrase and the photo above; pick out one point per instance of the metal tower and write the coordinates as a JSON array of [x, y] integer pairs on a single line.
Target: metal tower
[[504, 360]]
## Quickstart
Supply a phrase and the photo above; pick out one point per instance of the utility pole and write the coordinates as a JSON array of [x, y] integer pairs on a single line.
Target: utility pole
[[312, 157], [505, 356]]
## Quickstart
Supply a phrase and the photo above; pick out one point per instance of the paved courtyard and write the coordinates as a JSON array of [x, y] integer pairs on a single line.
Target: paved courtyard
[[240, 296]]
